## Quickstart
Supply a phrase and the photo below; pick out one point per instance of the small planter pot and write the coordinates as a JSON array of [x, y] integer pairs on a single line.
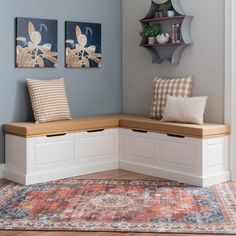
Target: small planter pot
[[151, 40], [170, 13]]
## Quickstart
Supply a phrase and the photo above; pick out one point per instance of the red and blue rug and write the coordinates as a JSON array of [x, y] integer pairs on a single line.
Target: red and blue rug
[[118, 206]]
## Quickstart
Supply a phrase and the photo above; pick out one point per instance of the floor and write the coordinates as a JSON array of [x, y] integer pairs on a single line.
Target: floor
[[115, 174]]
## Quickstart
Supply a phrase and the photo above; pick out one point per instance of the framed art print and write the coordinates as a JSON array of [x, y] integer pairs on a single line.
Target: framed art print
[[36, 43], [82, 45]]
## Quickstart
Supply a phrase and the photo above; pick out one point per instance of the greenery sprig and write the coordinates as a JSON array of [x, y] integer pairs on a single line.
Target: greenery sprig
[[168, 6], [151, 31]]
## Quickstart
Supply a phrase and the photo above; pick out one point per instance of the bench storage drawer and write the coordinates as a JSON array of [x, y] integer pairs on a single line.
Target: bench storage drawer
[[53, 157], [50, 151], [195, 161], [100, 144]]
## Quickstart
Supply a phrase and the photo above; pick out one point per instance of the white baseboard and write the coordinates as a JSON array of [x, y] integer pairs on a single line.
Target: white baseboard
[[2, 167], [214, 179], [59, 174], [175, 176], [161, 173], [113, 165]]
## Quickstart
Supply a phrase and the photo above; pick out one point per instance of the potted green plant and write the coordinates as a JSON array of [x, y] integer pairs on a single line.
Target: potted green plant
[[169, 8], [150, 33]]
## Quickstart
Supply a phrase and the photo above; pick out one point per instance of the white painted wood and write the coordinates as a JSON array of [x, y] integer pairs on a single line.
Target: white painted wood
[[177, 154], [15, 153], [97, 145], [39, 177], [168, 154], [180, 154], [160, 172], [230, 83], [47, 153], [215, 156], [136, 145], [188, 160], [54, 152], [35, 160]]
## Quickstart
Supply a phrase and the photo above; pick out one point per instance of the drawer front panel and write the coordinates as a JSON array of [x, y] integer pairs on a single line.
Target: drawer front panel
[[177, 154], [54, 152], [215, 153], [96, 146], [216, 156], [139, 146]]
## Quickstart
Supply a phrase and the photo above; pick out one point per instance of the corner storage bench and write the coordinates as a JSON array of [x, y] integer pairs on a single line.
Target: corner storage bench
[[193, 154]]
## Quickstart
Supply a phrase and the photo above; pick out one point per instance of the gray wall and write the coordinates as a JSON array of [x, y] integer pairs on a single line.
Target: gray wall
[[90, 91], [204, 59]]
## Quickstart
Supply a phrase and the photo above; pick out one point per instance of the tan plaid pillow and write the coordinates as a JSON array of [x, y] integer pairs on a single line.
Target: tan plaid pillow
[[49, 100], [180, 87]]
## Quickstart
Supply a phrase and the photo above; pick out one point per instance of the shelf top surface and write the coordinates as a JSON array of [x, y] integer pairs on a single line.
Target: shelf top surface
[[163, 19]]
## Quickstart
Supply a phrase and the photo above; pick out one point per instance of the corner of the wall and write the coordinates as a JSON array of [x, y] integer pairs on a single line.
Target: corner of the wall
[[2, 167], [122, 53]]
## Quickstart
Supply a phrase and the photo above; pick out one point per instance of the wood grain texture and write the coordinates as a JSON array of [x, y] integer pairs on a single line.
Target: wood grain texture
[[30, 129], [115, 174], [188, 130]]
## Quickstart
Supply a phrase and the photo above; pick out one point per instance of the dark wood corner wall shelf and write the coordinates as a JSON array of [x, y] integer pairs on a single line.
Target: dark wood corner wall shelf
[[170, 51]]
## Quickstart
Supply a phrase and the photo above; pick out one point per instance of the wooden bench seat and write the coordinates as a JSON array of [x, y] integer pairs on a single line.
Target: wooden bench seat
[[188, 130], [30, 129]]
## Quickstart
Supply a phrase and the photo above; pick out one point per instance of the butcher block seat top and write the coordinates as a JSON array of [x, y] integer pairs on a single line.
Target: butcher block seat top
[[30, 129]]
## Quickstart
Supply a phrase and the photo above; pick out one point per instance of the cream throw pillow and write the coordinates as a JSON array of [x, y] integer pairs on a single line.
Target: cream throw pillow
[[49, 100], [179, 87], [185, 110]]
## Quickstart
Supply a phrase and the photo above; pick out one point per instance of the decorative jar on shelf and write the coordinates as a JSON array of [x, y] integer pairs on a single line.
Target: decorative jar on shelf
[[170, 13], [151, 40], [169, 8]]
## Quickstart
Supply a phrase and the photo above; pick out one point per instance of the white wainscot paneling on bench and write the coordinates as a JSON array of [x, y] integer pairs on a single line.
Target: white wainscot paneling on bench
[[192, 154]]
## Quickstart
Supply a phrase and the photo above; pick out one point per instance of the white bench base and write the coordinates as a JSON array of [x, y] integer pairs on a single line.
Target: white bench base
[[58, 174], [175, 176], [42, 159], [201, 162], [195, 161]]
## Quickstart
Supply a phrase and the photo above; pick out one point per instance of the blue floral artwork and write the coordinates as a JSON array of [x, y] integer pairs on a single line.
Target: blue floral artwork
[[83, 45], [36, 43]]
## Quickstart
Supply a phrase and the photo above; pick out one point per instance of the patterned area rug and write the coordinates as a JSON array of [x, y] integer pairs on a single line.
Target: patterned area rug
[[119, 205]]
